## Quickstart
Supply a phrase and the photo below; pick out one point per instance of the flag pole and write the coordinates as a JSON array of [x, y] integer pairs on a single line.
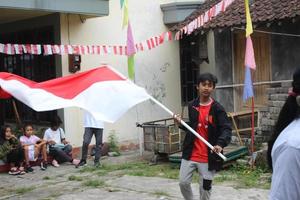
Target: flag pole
[[252, 131], [187, 126]]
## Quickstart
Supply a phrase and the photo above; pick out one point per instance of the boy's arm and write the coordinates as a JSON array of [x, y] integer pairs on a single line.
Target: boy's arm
[[63, 136]]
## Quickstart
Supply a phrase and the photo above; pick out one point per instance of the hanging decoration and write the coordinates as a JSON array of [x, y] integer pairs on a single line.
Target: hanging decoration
[[60, 49], [201, 20]]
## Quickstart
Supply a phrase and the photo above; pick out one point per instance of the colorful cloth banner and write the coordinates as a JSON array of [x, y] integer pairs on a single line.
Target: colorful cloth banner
[[249, 28], [249, 54], [125, 14], [130, 64], [248, 86], [130, 52]]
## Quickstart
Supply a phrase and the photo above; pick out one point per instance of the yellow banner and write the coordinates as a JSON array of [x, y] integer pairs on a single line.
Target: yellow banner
[[249, 28]]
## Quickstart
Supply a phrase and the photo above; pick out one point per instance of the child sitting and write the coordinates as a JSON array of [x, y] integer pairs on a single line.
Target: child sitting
[[59, 147], [33, 146], [12, 151]]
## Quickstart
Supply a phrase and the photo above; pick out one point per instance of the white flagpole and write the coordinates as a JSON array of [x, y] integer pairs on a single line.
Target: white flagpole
[[187, 126]]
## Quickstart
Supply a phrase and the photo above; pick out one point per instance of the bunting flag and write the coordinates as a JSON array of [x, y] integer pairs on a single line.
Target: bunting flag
[[130, 52], [97, 91], [130, 63], [249, 28], [125, 13], [61, 49], [205, 17], [249, 54], [248, 86]]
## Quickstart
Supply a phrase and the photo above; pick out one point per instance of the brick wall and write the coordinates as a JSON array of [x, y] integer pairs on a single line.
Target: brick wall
[[277, 94]]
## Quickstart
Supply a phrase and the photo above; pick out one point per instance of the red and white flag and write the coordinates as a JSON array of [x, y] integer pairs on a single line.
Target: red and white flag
[[102, 91]]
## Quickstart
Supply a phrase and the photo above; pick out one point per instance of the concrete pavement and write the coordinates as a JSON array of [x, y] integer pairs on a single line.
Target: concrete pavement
[[55, 183]]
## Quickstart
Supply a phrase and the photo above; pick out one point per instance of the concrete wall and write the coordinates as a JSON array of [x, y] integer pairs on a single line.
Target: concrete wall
[[157, 70]]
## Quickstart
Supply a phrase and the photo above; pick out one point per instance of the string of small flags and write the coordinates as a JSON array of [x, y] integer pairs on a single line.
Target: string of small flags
[[48, 49], [202, 19]]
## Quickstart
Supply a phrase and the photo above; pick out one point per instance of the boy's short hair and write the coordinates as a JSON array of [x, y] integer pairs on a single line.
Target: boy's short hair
[[207, 77], [55, 121]]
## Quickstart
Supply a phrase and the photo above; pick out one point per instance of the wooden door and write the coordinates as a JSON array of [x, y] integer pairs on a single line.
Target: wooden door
[[261, 45]]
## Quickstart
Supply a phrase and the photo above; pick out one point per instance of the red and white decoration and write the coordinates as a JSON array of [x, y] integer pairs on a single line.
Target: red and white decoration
[[48, 49], [204, 18], [103, 92]]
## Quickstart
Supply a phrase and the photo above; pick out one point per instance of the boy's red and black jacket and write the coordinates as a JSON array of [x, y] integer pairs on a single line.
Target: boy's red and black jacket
[[219, 132]]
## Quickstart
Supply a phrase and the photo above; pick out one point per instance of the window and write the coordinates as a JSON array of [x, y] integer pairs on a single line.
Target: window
[[34, 67], [189, 68]]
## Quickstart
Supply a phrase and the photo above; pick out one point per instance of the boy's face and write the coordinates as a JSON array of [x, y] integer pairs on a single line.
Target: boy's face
[[54, 128], [205, 88]]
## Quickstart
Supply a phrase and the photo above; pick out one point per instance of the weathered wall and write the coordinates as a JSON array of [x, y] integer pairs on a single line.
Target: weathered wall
[[285, 51], [156, 70], [223, 68], [219, 52]]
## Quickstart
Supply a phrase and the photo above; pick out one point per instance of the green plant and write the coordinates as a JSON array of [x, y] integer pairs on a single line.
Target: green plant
[[159, 193], [113, 142], [245, 176], [18, 131], [24, 190], [46, 178], [75, 178], [94, 183]]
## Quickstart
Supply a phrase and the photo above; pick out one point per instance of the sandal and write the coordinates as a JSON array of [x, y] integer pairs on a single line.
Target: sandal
[[22, 170], [14, 171]]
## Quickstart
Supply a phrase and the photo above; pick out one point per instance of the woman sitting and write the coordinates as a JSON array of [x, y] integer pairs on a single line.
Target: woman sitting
[[12, 151]]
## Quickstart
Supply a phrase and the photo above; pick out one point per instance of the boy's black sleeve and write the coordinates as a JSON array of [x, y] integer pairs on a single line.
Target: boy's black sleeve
[[224, 126]]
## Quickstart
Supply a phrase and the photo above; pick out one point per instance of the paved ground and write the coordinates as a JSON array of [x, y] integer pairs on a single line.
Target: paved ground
[[55, 183]]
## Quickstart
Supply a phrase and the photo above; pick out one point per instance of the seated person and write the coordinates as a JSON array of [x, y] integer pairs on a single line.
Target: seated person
[[11, 150], [59, 148], [33, 146]]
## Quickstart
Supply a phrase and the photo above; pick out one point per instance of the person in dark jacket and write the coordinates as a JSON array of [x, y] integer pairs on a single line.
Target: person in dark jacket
[[209, 119], [11, 150]]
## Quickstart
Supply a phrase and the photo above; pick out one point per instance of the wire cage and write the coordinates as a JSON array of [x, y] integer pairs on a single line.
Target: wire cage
[[163, 137]]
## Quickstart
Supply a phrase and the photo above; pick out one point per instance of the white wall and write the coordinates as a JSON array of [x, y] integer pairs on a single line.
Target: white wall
[[157, 70]]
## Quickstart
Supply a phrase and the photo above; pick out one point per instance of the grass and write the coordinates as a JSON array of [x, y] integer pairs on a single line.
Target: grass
[[241, 176], [24, 190], [94, 183], [161, 193], [75, 178], [46, 178], [136, 169], [245, 177], [52, 196]]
